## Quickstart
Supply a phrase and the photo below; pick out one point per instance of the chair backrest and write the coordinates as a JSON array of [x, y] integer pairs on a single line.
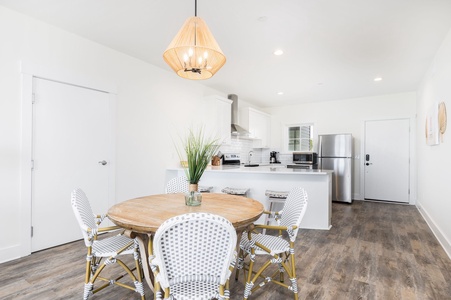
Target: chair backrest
[[194, 247], [84, 214], [177, 185], [294, 208]]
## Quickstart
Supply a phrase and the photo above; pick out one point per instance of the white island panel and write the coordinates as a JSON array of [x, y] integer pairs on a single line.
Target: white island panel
[[317, 183]]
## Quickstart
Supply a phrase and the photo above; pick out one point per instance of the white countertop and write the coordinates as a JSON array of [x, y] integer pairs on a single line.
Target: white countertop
[[269, 169], [318, 184]]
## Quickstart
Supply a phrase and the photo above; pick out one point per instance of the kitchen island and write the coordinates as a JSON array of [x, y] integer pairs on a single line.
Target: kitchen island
[[317, 183]]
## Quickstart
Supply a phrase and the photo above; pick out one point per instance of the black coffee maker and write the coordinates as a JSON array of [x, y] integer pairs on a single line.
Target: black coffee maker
[[274, 157]]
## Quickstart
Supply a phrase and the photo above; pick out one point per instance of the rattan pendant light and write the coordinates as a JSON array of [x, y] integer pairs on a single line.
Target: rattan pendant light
[[194, 52]]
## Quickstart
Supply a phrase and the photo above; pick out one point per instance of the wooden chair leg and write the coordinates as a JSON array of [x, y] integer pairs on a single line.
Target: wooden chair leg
[[293, 272], [88, 285], [249, 283], [240, 265], [139, 278], [257, 275]]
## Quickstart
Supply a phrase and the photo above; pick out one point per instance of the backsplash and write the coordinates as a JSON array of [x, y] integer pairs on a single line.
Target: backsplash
[[259, 156], [242, 146], [285, 158]]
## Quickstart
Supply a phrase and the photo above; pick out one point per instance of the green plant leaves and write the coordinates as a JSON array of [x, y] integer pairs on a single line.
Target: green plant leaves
[[199, 151]]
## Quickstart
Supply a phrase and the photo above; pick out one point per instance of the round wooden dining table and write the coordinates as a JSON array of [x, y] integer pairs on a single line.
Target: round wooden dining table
[[141, 217]]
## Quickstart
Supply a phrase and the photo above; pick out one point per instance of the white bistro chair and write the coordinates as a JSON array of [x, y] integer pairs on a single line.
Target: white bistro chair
[[193, 257], [177, 185], [275, 197], [275, 249], [104, 252], [181, 185]]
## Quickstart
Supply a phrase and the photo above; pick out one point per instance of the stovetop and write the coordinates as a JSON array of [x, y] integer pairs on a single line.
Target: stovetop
[[231, 159]]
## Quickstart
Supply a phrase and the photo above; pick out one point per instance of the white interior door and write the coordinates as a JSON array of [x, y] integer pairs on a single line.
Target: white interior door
[[71, 135], [387, 160]]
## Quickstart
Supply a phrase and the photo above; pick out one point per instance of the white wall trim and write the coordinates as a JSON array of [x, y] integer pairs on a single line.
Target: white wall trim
[[361, 161], [10, 253], [356, 196], [112, 159], [27, 74], [60, 75], [444, 242], [25, 165]]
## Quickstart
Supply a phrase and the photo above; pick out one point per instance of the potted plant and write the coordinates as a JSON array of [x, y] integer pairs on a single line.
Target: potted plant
[[199, 151]]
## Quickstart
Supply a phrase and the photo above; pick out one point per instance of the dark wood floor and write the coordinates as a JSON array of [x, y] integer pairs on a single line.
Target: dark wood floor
[[374, 251]]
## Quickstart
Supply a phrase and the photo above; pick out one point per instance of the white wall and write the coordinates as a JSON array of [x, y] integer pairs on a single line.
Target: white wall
[[152, 105], [434, 162], [345, 116]]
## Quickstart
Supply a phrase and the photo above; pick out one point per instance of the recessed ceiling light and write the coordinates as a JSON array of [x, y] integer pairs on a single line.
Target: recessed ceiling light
[[278, 52], [378, 79], [280, 93]]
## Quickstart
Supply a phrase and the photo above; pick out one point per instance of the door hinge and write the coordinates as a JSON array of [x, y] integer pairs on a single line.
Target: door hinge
[[34, 98], [31, 231], [32, 164]]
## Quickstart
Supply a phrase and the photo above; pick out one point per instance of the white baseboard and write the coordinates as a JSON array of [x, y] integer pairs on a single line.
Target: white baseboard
[[10, 253], [444, 242], [356, 196]]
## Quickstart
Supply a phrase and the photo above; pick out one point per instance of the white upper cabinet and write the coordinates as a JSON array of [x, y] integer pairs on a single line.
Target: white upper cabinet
[[218, 117], [259, 127]]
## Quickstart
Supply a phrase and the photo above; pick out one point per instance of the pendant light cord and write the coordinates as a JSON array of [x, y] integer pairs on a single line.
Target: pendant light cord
[[195, 30]]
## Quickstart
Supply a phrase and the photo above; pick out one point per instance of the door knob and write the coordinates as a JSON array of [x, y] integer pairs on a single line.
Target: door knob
[[368, 164], [103, 162]]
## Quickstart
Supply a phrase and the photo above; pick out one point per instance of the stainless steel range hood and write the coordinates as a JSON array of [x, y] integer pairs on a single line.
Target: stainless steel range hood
[[237, 130]]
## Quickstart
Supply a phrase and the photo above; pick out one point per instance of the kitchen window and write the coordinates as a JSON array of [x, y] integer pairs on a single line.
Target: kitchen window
[[300, 137]]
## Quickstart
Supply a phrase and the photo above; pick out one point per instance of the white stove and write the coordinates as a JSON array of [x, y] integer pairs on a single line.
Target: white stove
[[231, 159]]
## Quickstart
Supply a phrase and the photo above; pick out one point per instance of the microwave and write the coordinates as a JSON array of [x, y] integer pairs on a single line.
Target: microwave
[[306, 158]]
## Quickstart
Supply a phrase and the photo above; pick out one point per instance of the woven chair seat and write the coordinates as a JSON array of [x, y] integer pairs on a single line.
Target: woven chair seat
[[110, 246], [276, 194], [205, 189], [194, 290], [276, 244], [235, 191]]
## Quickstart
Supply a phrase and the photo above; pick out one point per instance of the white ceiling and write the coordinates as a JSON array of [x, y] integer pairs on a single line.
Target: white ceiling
[[332, 49]]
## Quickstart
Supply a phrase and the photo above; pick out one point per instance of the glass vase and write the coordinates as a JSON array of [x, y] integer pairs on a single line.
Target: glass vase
[[193, 197]]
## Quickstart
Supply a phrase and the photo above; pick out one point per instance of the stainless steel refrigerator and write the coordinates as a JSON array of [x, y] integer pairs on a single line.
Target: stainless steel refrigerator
[[335, 153]]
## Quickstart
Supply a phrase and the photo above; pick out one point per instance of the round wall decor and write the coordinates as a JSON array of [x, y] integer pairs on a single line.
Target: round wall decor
[[442, 119]]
